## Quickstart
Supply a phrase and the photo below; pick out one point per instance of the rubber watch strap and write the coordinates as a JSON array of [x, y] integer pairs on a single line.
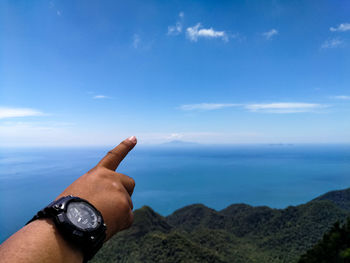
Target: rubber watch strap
[[89, 247]]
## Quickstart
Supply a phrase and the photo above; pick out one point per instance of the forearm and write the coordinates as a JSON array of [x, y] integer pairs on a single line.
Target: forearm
[[39, 241], [107, 201]]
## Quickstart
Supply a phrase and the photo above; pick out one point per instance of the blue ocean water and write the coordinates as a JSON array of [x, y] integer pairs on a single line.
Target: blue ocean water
[[168, 178]]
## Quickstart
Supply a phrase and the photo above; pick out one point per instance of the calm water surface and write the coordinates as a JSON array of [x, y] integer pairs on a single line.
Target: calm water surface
[[168, 178]]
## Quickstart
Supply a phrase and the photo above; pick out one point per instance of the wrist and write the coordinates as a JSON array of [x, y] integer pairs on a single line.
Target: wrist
[[39, 241], [47, 229]]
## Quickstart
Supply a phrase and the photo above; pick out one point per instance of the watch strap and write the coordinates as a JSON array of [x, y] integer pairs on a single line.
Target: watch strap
[[90, 246], [47, 212]]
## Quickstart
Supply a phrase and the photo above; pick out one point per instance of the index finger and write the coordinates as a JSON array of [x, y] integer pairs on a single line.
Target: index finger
[[115, 156]]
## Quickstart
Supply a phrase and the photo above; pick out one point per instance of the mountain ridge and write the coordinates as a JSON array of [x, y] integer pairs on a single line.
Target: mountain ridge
[[238, 233]]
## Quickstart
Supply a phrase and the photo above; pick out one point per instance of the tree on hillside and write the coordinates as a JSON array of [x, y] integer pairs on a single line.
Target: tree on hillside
[[333, 248]]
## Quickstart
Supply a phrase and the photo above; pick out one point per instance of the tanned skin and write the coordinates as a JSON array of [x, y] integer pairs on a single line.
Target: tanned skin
[[109, 191]]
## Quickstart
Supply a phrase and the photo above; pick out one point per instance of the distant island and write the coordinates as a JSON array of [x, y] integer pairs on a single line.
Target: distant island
[[281, 144], [239, 233], [189, 143]]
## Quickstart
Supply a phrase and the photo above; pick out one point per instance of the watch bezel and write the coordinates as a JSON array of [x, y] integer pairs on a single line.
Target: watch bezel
[[89, 229], [62, 221]]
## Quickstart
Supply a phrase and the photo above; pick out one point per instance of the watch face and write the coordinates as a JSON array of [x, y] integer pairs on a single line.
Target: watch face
[[82, 215]]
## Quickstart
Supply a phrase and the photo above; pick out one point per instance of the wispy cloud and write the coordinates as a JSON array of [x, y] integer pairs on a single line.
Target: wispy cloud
[[141, 43], [101, 97], [53, 6], [332, 43], [50, 133], [206, 106], [285, 107], [197, 31], [136, 40], [6, 112], [277, 107], [177, 28], [269, 34], [341, 28], [341, 97]]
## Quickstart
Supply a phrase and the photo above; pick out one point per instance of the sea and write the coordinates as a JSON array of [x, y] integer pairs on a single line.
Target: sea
[[170, 177]]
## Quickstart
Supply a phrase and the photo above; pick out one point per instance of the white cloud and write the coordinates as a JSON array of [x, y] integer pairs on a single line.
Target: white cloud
[[211, 137], [177, 28], [341, 97], [332, 43], [277, 107], [342, 27], [100, 97], [18, 112], [31, 134], [175, 136], [61, 134], [141, 44], [206, 106], [285, 107], [195, 32], [269, 34]]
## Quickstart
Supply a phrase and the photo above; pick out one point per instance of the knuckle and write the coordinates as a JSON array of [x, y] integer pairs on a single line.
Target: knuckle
[[93, 170], [120, 175], [118, 186], [128, 180], [98, 170], [115, 153], [104, 173], [132, 182], [124, 204], [127, 143]]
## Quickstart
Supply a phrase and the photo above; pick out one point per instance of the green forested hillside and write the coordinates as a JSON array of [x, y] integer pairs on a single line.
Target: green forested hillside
[[333, 248], [239, 233]]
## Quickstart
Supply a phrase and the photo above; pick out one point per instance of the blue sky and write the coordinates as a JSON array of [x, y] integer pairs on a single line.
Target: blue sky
[[93, 72]]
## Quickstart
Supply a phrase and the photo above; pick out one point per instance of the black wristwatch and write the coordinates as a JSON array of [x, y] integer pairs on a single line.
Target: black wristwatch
[[78, 221]]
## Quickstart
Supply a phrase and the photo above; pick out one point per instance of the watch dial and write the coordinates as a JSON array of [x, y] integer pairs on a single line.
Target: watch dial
[[82, 215]]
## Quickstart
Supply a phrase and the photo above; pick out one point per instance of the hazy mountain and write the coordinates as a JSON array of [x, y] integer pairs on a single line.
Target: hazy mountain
[[238, 233]]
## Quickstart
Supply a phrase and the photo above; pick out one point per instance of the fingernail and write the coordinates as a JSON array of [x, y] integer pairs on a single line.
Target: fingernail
[[132, 139]]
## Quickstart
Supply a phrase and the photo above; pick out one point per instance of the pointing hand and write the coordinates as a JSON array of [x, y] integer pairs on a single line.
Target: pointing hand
[[109, 191]]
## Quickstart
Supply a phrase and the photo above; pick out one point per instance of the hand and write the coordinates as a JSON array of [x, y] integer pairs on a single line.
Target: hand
[[110, 192]]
